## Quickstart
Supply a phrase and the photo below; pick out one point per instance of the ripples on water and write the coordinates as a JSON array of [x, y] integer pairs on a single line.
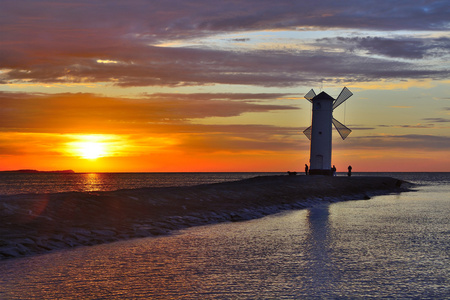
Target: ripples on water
[[18, 183], [394, 246]]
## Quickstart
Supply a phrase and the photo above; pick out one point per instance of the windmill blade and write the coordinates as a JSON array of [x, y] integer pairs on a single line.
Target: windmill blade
[[308, 132], [344, 95], [343, 130], [311, 94]]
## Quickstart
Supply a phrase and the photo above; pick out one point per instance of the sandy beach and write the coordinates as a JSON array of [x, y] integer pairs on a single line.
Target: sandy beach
[[38, 223]]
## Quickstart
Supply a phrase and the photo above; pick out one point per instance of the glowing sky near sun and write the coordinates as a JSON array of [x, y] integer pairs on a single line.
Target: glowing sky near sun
[[200, 85]]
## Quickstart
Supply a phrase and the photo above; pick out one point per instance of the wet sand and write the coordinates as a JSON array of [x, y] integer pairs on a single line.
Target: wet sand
[[38, 223]]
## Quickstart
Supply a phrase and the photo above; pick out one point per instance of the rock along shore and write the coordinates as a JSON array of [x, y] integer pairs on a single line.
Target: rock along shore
[[38, 223]]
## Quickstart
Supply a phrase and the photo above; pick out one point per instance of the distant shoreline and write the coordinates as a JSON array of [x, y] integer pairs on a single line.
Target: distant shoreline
[[37, 171]]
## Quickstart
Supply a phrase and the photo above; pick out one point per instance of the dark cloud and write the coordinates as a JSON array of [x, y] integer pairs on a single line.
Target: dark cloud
[[402, 47], [437, 120], [408, 126], [173, 67], [355, 128], [241, 40], [175, 19], [61, 41], [408, 141]]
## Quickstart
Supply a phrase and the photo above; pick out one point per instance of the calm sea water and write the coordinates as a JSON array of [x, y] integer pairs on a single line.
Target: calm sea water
[[19, 183], [393, 246]]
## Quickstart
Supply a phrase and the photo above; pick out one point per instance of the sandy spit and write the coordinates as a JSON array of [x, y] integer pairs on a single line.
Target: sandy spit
[[37, 223]]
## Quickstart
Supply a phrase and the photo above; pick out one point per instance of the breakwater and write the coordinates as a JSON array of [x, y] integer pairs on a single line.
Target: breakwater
[[37, 223]]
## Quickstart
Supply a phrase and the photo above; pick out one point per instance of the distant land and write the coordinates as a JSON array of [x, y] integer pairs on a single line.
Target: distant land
[[36, 171]]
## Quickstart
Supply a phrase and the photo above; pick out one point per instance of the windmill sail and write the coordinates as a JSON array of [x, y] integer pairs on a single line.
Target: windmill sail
[[308, 132], [311, 94], [343, 130], [344, 95]]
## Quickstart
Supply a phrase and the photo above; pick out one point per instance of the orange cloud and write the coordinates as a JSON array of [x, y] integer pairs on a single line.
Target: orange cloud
[[156, 133], [59, 125], [89, 113]]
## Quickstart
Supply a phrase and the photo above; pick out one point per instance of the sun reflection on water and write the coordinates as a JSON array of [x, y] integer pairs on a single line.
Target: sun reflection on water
[[92, 182]]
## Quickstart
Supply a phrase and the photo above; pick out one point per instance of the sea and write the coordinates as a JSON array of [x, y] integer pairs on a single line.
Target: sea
[[37, 183], [23, 183], [394, 246]]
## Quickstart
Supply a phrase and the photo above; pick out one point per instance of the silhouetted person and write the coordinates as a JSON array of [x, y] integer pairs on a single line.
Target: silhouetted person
[[333, 170], [306, 169], [349, 171]]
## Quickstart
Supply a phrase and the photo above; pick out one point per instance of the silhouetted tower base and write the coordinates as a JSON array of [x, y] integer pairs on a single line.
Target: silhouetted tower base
[[321, 172]]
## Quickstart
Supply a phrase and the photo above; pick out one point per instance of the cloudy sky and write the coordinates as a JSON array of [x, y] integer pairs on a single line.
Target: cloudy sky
[[198, 85]]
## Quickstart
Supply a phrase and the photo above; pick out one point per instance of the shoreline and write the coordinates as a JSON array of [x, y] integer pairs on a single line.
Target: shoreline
[[38, 223], [32, 171]]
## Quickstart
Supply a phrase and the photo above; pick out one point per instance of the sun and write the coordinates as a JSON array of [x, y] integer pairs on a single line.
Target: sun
[[93, 146], [90, 150]]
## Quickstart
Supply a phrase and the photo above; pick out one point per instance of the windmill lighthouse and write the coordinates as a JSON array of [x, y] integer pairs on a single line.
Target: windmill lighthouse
[[319, 133]]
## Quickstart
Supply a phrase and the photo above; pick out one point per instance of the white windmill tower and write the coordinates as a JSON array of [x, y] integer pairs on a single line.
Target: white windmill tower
[[319, 133]]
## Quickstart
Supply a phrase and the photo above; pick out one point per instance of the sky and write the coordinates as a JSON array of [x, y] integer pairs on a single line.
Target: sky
[[218, 86]]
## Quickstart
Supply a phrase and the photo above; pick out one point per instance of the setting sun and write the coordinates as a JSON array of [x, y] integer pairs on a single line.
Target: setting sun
[[91, 150], [90, 146]]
